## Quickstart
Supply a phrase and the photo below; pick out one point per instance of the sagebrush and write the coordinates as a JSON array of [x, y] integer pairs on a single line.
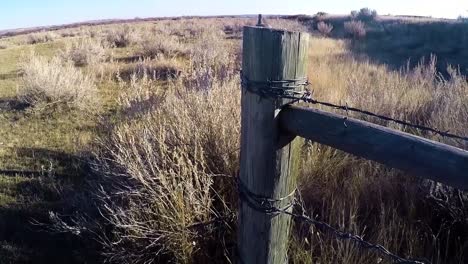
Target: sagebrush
[[53, 82]]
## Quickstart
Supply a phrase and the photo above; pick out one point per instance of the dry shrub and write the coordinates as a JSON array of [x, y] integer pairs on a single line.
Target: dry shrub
[[42, 37], [162, 69], [233, 29], [121, 37], [140, 95], [53, 82], [3, 45], [85, 52], [365, 14], [355, 29], [187, 29], [159, 168], [324, 28], [167, 46], [286, 24], [68, 34], [193, 28], [210, 59]]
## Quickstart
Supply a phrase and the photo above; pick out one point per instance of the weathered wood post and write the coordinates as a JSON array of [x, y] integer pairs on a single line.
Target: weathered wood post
[[268, 158]]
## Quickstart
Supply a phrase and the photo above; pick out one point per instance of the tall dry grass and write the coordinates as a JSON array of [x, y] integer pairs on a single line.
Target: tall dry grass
[[355, 29], [166, 46], [54, 82], [41, 37], [161, 69], [121, 36], [160, 168], [85, 51]]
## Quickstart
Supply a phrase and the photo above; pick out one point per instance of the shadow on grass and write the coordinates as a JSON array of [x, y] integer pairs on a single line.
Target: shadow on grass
[[406, 44], [41, 192], [11, 104], [11, 75], [129, 59], [54, 161], [36, 245]]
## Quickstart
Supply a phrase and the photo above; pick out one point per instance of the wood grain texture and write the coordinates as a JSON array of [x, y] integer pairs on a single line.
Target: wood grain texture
[[267, 167], [415, 155]]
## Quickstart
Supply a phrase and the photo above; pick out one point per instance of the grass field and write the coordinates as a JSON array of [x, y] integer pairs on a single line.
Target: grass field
[[118, 155]]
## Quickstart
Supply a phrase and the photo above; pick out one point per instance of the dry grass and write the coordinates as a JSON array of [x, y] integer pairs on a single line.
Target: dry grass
[[167, 46], [324, 28], [121, 36], [55, 82], [41, 37], [355, 29], [284, 24], [84, 52], [161, 69], [161, 173]]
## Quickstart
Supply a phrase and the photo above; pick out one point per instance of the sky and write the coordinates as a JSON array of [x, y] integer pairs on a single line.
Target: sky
[[30, 13]]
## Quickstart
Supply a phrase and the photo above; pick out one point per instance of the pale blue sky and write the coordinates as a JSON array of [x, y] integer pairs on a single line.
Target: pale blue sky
[[28, 13]]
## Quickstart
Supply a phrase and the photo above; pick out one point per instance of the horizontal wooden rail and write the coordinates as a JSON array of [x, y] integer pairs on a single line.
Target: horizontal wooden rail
[[396, 149]]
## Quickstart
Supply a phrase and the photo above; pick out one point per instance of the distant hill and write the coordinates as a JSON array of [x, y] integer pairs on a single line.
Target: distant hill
[[400, 41], [21, 31]]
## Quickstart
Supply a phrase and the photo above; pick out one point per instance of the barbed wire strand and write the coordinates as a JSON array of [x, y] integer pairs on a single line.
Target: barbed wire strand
[[284, 89], [266, 206]]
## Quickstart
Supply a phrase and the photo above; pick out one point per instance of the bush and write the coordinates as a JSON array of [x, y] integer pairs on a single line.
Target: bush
[[365, 14], [159, 173], [210, 59], [54, 82], [121, 37], [234, 30], [36, 38], [463, 19], [321, 14], [290, 25], [355, 29], [85, 52], [324, 28], [162, 46], [162, 69], [68, 34]]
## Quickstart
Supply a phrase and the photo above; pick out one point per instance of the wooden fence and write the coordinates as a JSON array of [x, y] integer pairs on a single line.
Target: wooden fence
[[270, 144]]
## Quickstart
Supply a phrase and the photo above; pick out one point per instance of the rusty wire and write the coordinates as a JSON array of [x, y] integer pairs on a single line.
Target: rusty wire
[[267, 206], [285, 89]]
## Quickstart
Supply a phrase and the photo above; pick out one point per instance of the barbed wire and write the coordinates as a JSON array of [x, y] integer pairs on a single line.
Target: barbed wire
[[285, 89], [267, 206]]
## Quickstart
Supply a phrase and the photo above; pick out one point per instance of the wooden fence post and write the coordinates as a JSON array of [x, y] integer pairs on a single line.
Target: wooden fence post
[[268, 167]]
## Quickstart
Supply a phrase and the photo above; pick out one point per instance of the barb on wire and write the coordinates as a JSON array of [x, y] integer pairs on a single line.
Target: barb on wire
[[306, 97], [325, 227], [264, 204], [267, 206], [284, 89]]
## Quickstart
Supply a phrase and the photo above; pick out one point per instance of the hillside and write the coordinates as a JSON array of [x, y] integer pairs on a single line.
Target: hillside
[[401, 41]]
